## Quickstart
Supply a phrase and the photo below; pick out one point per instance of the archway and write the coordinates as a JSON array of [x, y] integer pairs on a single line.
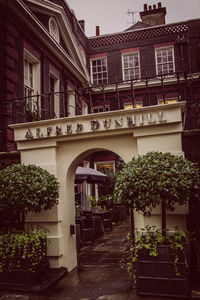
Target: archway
[[59, 146]]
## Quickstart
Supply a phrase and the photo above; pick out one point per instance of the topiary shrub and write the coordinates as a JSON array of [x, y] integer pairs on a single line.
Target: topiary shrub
[[156, 178], [27, 188], [145, 182]]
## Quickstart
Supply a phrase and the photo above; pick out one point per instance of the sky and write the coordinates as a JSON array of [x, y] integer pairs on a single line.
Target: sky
[[112, 15]]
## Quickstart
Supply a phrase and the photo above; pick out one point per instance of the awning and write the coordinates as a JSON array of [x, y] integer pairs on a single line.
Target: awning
[[90, 175]]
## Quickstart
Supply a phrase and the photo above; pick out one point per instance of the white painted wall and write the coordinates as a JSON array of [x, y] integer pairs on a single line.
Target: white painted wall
[[61, 153]]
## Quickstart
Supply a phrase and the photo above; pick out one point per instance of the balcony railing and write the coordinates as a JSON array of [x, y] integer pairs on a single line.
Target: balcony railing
[[40, 106]]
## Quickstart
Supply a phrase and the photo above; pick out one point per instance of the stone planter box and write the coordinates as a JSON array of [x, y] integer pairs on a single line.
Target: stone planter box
[[155, 276], [18, 277]]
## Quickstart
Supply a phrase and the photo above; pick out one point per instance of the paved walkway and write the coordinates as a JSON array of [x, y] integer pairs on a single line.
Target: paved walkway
[[99, 275]]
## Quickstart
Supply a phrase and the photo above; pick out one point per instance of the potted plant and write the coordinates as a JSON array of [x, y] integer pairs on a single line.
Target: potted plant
[[23, 257], [24, 188], [145, 182]]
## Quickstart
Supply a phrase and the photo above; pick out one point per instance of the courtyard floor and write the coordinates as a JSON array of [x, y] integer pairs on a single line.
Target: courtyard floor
[[99, 275]]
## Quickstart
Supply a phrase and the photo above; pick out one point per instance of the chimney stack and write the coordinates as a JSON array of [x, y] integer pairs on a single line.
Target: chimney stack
[[97, 31], [82, 24], [155, 16], [145, 7]]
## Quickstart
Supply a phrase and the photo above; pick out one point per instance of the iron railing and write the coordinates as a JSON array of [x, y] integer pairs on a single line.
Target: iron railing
[[40, 106]]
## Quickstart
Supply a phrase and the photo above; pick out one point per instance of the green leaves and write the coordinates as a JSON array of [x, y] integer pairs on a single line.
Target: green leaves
[[27, 188], [22, 249], [147, 242], [146, 180]]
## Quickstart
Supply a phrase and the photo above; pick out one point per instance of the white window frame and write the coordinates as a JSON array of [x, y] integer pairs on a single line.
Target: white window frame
[[84, 108], [56, 94], [106, 162], [97, 81], [167, 101], [130, 67], [55, 34], [71, 103], [33, 88], [129, 105], [96, 163], [167, 62], [100, 108]]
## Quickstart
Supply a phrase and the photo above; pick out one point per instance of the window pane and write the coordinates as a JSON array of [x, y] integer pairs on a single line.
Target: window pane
[[165, 62], [159, 60], [131, 66], [99, 71], [170, 67], [94, 63], [126, 65]]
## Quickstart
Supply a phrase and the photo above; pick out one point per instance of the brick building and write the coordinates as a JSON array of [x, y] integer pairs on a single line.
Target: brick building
[[50, 69]]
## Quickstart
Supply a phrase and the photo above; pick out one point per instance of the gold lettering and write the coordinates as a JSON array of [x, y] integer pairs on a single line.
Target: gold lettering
[[69, 129], [79, 127], [141, 119], [39, 133], [118, 123], [161, 117], [107, 123], [95, 124], [131, 121], [49, 129], [28, 134], [150, 120], [58, 130]]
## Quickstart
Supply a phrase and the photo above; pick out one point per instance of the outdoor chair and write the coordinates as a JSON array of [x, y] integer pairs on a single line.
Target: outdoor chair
[[107, 220], [88, 230]]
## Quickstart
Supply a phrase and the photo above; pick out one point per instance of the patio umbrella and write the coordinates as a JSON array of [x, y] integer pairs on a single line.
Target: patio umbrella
[[90, 175]]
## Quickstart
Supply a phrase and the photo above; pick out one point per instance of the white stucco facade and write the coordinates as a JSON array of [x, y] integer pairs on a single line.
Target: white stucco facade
[[60, 145]]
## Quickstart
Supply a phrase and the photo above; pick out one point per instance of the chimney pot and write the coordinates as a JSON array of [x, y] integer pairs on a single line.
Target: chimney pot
[[97, 31], [154, 6], [145, 7], [149, 7], [159, 5]]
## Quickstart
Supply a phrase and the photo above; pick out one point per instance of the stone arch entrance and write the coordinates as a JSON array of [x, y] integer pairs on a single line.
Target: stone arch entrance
[[60, 145]]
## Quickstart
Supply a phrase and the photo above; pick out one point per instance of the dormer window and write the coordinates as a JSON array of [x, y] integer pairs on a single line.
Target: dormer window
[[53, 29]]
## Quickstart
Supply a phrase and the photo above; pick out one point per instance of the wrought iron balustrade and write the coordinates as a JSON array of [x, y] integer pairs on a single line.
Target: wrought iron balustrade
[[40, 106]]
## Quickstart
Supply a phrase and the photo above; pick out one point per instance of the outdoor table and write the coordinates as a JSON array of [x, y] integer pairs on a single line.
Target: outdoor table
[[87, 228], [100, 213], [106, 216]]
